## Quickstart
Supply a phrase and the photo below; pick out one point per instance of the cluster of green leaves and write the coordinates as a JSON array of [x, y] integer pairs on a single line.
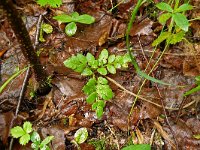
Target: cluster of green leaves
[[196, 89], [72, 19], [177, 16], [51, 3], [98, 144], [26, 133], [47, 28], [97, 89], [88, 65]]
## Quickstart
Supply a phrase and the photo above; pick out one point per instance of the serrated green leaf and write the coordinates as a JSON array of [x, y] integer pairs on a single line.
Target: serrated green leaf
[[102, 80], [24, 139], [17, 132], [138, 147], [175, 38], [81, 135], [35, 137], [52, 3], [90, 86], [104, 92], [71, 62], [103, 56], [85, 19], [47, 140], [99, 111], [111, 69], [91, 98], [163, 36], [181, 21], [102, 71], [63, 18], [111, 58], [87, 72], [164, 6], [27, 126], [184, 7], [164, 17], [47, 28], [90, 58], [70, 29]]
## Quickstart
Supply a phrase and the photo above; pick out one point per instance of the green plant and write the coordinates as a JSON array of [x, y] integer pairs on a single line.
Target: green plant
[[137, 147], [80, 137], [72, 19], [97, 88], [99, 144], [26, 133], [51, 3], [47, 28], [177, 17], [196, 89]]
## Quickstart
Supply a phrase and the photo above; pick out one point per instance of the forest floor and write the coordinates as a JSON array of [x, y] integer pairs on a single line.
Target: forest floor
[[164, 118]]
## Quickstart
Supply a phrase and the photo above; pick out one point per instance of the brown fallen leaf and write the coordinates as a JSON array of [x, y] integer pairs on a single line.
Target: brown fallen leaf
[[2, 52]]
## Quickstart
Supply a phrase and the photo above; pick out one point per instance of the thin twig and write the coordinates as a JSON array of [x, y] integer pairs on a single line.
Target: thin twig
[[144, 99]]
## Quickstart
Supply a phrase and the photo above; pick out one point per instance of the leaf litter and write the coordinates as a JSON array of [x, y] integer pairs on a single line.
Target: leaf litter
[[63, 112]]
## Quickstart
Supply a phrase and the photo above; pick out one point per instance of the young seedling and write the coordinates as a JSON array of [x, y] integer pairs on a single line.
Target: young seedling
[[97, 88], [47, 28], [72, 19], [80, 137], [176, 15], [26, 133]]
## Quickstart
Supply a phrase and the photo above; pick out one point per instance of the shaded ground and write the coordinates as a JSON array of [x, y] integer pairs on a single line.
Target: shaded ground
[[162, 122]]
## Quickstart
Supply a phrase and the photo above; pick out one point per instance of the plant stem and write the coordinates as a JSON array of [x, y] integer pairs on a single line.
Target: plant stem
[[28, 51]]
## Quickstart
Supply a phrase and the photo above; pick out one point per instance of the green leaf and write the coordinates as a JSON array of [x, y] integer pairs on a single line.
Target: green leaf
[[99, 111], [118, 61], [184, 7], [98, 107], [111, 69], [102, 80], [24, 139], [175, 38], [126, 58], [164, 6], [17, 132], [197, 78], [47, 140], [102, 71], [103, 56], [81, 135], [104, 92], [163, 36], [138, 147], [35, 146], [63, 18], [90, 58], [91, 98], [87, 72], [35, 137], [197, 136], [70, 29], [52, 3], [181, 21], [164, 17], [196, 89], [47, 28], [75, 15], [44, 147], [90, 86], [85, 19], [111, 59], [27, 126]]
